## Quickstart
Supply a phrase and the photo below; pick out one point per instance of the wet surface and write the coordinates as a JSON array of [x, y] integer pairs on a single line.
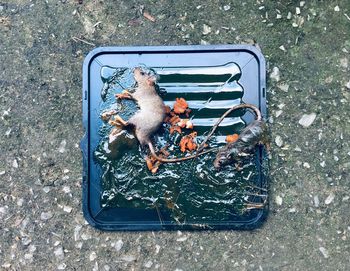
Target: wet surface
[[188, 192]]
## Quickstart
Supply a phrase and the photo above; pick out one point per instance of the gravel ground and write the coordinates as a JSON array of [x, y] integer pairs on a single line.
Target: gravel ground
[[43, 44]]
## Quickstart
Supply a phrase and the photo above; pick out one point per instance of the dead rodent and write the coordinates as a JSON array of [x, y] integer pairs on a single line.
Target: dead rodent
[[150, 115], [252, 135]]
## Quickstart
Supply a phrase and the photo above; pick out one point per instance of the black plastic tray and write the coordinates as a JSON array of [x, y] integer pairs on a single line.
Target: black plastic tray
[[252, 78]]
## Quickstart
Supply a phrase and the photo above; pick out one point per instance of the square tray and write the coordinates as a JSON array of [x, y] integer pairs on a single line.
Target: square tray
[[248, 76]]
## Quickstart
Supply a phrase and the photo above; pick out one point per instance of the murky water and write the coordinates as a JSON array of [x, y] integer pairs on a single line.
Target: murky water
[[191, 191]]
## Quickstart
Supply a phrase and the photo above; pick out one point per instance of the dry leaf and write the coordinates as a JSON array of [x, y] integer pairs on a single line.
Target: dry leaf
[[187, 142], [231, 138], [180, 106], [148, 16]]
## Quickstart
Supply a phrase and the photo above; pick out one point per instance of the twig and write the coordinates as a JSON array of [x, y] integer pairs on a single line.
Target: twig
[[76, 39]]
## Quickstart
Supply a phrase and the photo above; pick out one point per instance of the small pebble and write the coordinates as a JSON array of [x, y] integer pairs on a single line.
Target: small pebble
[[306, 165], [46, 215], [279, 200], [289, 16], [128, 258], [282, 48], [181, 239], [307, 119], [59, 253], [323, 164], [275, 74], [227, 7], [297, 10], [148, 264], [206, 29], [324, 252], [316, 201], [92, 256], [348, 85], [61, 266], [67, 209], [336, 8], [62, 147], [279, 141], [15, 163], [329, 199], [118, 245]]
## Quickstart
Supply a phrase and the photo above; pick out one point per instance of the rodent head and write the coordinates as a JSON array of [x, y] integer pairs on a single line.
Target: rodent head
[[143, 76]]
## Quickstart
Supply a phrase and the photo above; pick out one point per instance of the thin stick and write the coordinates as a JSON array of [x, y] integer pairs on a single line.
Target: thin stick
[[83, 41]]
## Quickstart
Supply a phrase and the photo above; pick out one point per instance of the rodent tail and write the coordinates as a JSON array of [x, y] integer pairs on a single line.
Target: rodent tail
[[175, 160], [249, 106]]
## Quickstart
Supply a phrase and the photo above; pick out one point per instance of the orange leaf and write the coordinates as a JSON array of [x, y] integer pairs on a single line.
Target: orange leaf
[[149, 163], [180, 106], [231, 138]]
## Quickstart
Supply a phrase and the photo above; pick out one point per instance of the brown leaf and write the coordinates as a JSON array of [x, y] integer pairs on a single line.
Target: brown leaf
[[148, 16]]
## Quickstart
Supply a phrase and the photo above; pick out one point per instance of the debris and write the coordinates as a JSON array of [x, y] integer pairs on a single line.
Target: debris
[[118, 245], [148, 16], [306, 165], [92, 256], [206, 29], [279, 200], [180, 106], [324, 252], [336, 8], [128, 258], [46, 215], [329, 199], [76, 39], [59, 253], [148, 264], [282, 48], [67, 209], [187, 142], [307, 119], [275, 74], [344, 63], [231, 138], [283, 86], [62, 147], [15, 163], [227, 7], [348, 85], [316, 201], [279, 141]]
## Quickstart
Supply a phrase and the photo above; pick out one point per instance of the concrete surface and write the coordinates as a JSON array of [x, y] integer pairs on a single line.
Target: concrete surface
[[43, 44]]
